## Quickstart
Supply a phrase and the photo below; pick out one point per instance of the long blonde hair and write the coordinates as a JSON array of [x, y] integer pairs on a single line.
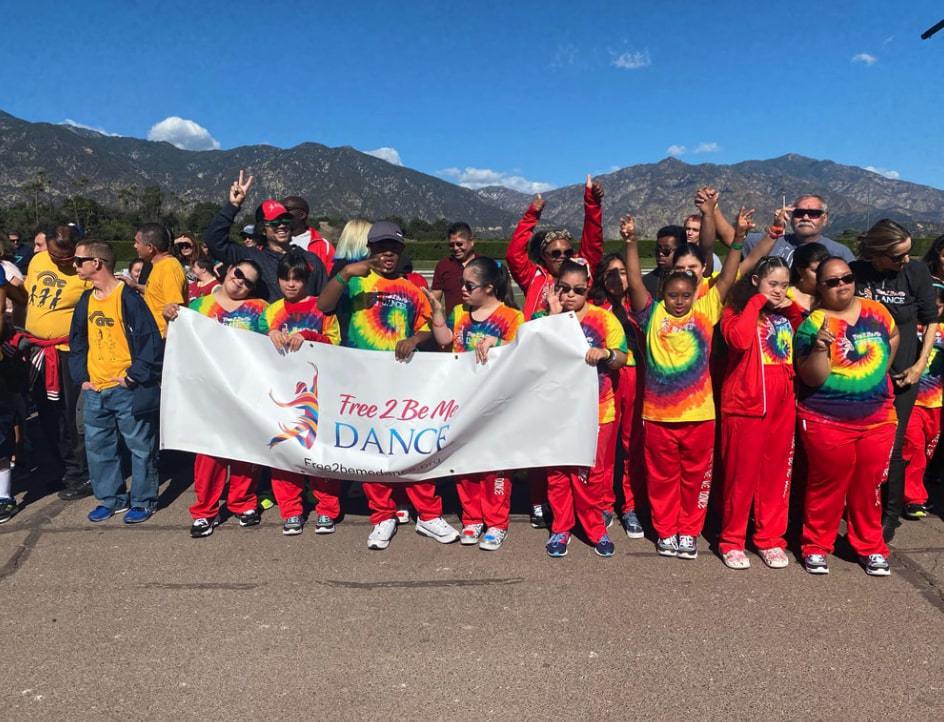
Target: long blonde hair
[[881, 238], [352, 245]]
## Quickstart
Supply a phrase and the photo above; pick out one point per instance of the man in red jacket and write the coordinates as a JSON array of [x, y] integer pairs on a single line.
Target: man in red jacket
[[303, 235]]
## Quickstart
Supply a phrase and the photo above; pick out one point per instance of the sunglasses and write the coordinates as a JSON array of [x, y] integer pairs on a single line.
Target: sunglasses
[[469, 286], [660, 251], [184, 245], [240, 276], [557, 253], [60, 259], [79, 260], [279, 222], [813, 213], [839, 281], [898, 257], [565, 289]]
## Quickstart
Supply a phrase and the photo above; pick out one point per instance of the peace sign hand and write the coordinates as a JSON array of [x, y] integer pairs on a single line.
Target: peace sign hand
[[239, 189]]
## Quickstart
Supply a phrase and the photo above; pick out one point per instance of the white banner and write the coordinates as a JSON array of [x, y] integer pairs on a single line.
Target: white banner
[[350, 414]]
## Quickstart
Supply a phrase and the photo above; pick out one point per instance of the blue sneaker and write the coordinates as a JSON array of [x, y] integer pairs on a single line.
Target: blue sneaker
[[137, 514], [557, 544], [604, 547], [101, 513], [632, 526]]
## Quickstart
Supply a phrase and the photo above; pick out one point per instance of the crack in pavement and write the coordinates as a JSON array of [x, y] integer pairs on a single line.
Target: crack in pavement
[[919, 578], [199, 585], [420, 584], [23, 551]]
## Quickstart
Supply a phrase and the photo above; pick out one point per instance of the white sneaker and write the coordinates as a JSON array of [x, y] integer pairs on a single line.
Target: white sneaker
[[493, 539], [736, 559], [775, 557], [438, 529], [381, 534], [471, 534], [403, 516]]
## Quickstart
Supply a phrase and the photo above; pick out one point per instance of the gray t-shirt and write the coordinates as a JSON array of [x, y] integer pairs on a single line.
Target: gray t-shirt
[[787, 245]]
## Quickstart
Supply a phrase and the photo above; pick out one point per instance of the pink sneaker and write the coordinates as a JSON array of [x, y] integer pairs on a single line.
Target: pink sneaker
[[775, 558], [736, 559]]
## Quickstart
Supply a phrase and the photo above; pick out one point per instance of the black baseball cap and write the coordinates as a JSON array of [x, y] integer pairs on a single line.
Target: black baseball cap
[[385, 231]]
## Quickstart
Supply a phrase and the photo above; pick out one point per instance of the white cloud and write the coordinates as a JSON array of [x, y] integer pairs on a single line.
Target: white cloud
[[892, 174], [631, 60], [481, 177], [887, 40], [676, 150], [184, 134], [76, 124], [391, 155], [707, 148], [864, 58]]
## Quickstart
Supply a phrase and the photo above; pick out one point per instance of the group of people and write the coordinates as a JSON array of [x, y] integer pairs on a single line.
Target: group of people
[[709, 371]]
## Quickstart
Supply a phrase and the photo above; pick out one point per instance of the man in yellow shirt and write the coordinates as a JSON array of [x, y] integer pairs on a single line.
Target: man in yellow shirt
[[167, 282], [50, 292], [116, 355]]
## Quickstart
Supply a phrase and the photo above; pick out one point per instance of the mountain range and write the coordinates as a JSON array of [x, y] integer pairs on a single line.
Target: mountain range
[[344, 182]]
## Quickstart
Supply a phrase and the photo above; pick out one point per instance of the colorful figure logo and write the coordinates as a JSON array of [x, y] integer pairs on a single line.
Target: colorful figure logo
[[305, 428]]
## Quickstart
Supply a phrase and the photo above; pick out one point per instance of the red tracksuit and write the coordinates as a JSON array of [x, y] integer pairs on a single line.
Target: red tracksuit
[[383, 505], [847, 426], [288, 487], [921, 437], [757, 403], [209, 478], [485, 499], [577, 489]]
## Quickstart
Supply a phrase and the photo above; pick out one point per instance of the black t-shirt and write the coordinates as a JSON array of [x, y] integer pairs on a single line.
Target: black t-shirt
[[909, 297], [652, 281]]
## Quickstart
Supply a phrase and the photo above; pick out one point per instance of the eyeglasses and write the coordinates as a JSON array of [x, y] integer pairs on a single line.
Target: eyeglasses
[[469, 286], [839, 281], [557, 253], [565, 289], [813, 213], [79, 260], [661, 251], [240, 276], [898, 257], [184, 245], [279, 222]]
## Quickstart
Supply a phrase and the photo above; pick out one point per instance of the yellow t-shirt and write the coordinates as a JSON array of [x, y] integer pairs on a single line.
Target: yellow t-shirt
[[167, 283], [109, 356], [53, 294]]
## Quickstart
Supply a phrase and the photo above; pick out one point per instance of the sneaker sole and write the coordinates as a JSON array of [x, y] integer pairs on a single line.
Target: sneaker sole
[[878, 572], [606, 555], [539, 525], [737, 568], [467, 542], [137, 521], [636, 534], [201, 534], [291, 532], [687, 555], [489, 547], [5, 520], [557, 556], [776, 565], [667, 552], [249, 523], [325, 530], [378, 545], [817, 570], [440, 539]]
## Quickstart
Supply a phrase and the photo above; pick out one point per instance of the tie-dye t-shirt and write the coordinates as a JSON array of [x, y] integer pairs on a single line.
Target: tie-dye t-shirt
[[631, 333], [858, 390], [302, 316], [249, 316], [383, 311], [602, 330], [776, 339], [502, 323], [677, 382], [931, 383]]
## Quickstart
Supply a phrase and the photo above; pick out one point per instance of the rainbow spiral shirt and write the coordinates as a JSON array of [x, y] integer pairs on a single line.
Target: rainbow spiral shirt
[[677, 381], [603, 330], [302, 316], [931, 383], [249, 316], [858, 391], [383, 311], [502, 323], [631, 332], [776, 339]]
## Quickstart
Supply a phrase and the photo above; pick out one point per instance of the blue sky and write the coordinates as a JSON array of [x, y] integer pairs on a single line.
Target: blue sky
[[531, 94]]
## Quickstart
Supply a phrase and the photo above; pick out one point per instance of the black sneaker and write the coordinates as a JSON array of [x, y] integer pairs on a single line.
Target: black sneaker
[[538, 517], [914, 511], [8, 510], [249, 518], [203, 527], [78, 491], [876, 565]]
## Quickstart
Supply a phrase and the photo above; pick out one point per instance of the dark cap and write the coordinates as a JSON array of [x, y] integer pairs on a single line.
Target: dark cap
[[385, 231]]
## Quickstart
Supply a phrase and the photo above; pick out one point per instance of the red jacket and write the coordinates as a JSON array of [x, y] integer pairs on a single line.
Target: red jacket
[[534, 279], [322, 248], [743, 392]]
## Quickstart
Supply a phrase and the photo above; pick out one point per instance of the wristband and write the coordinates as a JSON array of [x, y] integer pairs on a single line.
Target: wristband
[[775, 231], [341, 279], [737, 246]]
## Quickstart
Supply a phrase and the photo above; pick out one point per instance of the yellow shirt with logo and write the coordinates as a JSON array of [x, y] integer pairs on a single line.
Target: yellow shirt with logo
[[52, 296], [109, 356], [165, 284]]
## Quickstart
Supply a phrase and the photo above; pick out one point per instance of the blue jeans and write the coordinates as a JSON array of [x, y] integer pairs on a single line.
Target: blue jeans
[[108, 415]]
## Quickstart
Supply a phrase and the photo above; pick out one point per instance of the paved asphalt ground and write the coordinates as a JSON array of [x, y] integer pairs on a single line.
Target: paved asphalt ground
[[108, 621]]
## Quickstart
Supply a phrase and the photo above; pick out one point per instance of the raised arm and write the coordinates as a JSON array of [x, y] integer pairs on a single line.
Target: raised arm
[[706, 200], [591, 240], [216, 235], [765, 245], [519, 263], [336, 287], [729, 269], [437, 320], [639, 297]]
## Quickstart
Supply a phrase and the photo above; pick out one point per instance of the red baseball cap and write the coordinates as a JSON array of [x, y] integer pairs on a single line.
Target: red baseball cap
[[272, 209]]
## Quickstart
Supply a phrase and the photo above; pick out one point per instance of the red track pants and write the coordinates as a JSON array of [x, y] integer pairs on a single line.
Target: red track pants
[[209, 478], [921, 436], [288, 487], [757, 453], [383, 505], [847, 467], [575, 490], [485, 499], [629, 398], [679, 460]]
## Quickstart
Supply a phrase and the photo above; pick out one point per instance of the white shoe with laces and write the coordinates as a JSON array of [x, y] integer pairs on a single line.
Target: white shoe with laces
[[381, 534], [471, 534], [438, 529]]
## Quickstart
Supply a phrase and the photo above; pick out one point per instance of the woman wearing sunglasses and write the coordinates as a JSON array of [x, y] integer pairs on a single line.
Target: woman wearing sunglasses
[[486, 317], [846, 411], [758, 402], [187, 251], [578, 493], [885, 272], [678, 402], [231, 304]]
